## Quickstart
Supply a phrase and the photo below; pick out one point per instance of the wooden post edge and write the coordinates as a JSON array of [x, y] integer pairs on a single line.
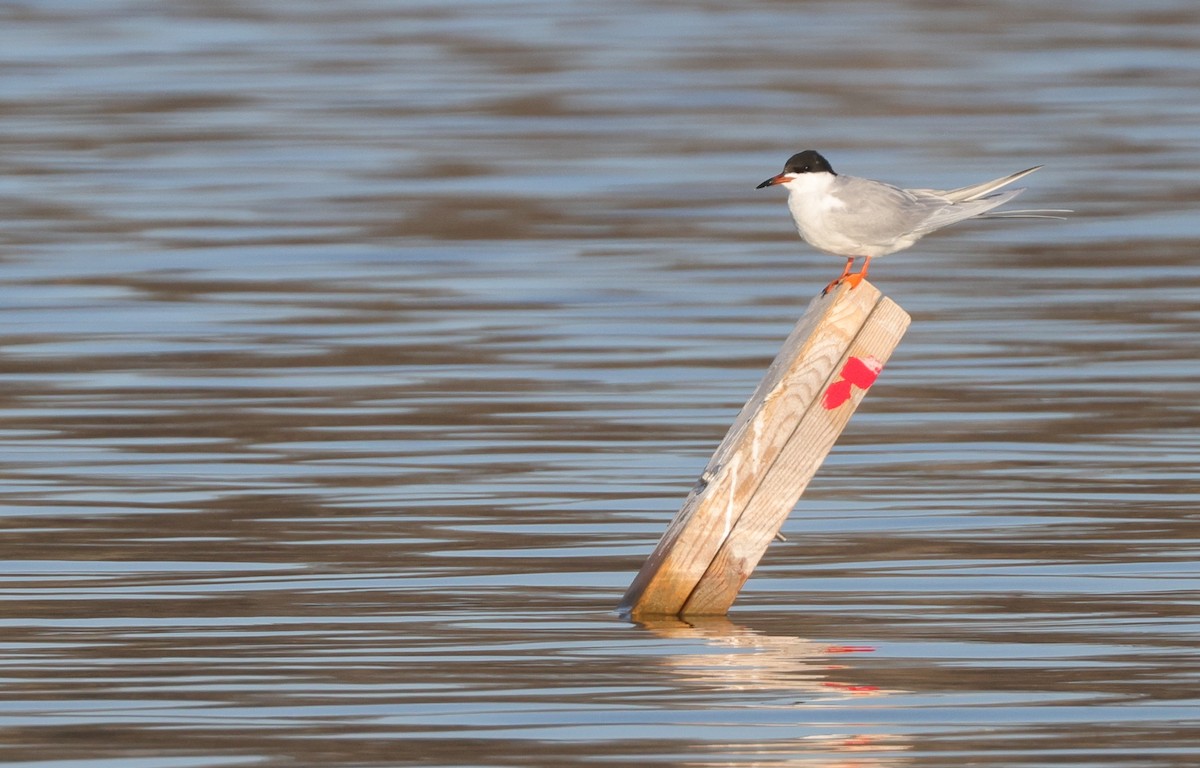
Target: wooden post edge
[[775, 445]]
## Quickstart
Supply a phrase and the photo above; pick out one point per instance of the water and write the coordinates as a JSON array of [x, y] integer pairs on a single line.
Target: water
[[354, 356]]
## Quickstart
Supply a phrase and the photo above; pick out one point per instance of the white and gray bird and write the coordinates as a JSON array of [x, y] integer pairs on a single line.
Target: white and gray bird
[[860, 218]]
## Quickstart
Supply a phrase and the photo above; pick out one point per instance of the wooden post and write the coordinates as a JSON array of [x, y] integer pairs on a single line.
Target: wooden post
[[773, 449]]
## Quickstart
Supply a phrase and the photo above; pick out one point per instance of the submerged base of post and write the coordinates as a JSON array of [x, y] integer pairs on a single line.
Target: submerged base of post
[[779, 439]]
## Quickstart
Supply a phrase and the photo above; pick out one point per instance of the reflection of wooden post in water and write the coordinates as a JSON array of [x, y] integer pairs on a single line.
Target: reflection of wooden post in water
[[769, 454]]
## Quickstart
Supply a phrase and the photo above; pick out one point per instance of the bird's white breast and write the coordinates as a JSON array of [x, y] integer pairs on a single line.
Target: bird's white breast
[[811, 198]]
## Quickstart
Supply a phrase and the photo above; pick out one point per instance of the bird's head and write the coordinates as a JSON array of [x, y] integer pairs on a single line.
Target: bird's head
[[808, 161]]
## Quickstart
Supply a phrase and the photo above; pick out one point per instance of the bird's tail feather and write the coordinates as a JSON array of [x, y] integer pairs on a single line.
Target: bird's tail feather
[[976, 191], [1032, 213]]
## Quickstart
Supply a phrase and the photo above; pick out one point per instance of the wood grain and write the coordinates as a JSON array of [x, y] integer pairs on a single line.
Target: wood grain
[[774, 447]]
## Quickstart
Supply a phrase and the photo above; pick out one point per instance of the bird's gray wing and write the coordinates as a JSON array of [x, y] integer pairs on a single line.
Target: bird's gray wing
[[949, 212], [876, 213]]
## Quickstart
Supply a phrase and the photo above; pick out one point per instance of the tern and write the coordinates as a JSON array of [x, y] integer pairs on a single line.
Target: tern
[[861, 218]]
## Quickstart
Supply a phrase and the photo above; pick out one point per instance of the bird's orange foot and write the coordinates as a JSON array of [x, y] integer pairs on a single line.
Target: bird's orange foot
[[852, 279]]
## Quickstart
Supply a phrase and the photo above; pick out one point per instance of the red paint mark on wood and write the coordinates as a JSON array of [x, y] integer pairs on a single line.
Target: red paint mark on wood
[[858, 372]]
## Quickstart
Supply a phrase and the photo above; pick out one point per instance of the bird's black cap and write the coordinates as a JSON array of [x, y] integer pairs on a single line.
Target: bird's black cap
[[808, 161]]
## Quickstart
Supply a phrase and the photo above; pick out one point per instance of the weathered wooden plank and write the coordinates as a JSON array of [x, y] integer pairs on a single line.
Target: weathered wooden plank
[[783, 483], [769, 454]]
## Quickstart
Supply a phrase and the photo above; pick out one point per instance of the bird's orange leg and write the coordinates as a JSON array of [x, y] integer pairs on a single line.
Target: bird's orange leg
[[841, 277], [858, 277]]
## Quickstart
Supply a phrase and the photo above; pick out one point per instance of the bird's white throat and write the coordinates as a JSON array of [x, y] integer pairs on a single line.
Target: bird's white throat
[[812, 189]]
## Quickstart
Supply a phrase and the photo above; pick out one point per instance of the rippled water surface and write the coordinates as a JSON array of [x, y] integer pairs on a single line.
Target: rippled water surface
[[355, 355]]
